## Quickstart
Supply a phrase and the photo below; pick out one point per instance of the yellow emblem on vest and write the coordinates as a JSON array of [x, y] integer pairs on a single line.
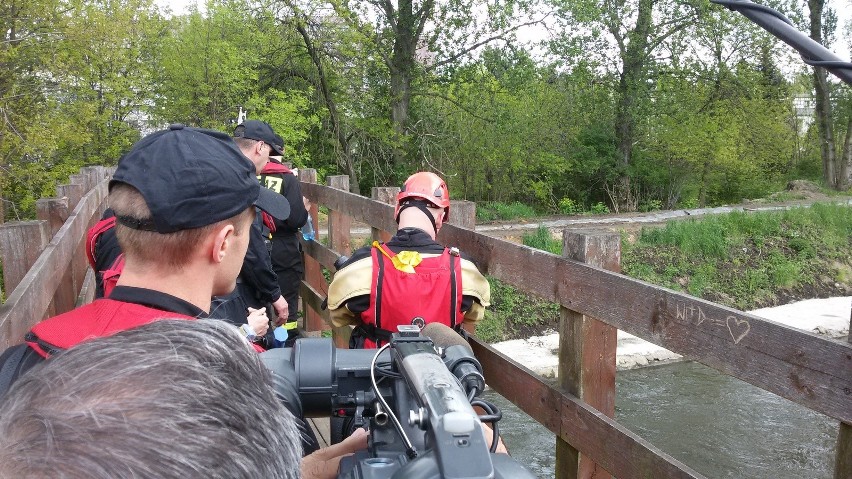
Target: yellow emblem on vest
[[271, 182], [404, 261]]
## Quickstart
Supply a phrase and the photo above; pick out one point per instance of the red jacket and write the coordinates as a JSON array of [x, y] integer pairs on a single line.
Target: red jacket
[[102, 317]]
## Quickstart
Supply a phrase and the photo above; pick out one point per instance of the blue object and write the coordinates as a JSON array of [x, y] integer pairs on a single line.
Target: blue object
[[281, 335], [308, 229]]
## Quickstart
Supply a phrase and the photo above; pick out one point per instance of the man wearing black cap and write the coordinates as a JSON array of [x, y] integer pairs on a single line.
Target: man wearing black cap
[[257, 285], [286, 250], [184, 202]]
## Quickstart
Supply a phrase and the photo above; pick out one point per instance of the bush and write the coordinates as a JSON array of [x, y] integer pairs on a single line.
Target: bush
[[567, 206], [599, 208], [501, 211], [650, 205]]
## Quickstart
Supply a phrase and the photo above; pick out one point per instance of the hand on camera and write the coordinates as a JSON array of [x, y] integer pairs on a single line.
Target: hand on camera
[[324, 464]]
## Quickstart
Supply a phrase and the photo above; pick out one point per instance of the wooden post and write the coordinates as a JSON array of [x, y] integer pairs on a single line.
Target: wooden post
[[21, 243], [387, 195], [312, 323], [55, 211], [339, 237], [587, 350], [463, 214], [843, 453], [339, 224], [73, 192]]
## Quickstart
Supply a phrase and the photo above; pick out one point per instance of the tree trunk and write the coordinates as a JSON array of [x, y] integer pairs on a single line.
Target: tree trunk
[[631, 87], [702, 192], [344, 159], [844, 176], [823, 102], [402, 64]]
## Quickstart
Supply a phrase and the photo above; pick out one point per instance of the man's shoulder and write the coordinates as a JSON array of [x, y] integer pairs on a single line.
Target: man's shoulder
[[353, 279], [98, 318], [14, 362], [357, 255]]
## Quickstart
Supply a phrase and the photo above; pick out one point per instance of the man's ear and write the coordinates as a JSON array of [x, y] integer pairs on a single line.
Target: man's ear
[[222, 242], [438, 214]]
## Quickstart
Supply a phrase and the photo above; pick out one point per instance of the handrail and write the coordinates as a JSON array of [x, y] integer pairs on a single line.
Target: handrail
[[805, 368], [797, 365], [30, 300]]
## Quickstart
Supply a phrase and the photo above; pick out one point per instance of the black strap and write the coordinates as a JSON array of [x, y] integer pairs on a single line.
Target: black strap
[[422, 206], [372, 332], [379, 280], [10, 367], [453, 290]]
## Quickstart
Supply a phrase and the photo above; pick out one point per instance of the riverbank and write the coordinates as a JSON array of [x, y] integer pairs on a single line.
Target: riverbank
[[828, 317]]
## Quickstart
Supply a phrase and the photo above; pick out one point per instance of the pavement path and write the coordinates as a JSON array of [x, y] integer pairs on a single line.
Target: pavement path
[[616, 221]]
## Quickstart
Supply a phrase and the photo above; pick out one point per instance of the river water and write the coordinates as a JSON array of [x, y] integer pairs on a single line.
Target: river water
[[718, 425]]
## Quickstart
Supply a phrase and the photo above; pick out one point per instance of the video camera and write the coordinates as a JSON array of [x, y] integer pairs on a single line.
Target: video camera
[[416, 395]]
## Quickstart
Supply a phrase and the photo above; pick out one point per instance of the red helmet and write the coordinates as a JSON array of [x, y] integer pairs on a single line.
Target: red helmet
[[426, 186]]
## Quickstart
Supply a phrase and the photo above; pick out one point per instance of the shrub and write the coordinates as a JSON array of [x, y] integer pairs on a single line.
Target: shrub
[[599, 208], [567, 206]]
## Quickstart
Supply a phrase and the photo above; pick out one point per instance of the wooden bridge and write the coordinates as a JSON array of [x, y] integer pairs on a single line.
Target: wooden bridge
[[45, 273]]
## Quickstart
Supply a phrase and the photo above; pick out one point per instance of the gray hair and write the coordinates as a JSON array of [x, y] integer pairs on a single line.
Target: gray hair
[[173, 398]]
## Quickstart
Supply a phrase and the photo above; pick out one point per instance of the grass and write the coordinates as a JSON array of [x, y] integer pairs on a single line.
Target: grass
[[743, 260], [514, 314], [543, 240], [746, 260], [496, 210]]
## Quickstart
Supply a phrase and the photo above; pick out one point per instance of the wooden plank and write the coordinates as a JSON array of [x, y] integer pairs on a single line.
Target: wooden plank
[[73, 192], [313, 272], [56, 211], [587, 349], [359, 208], [843, 451], [621, 452], [87, 292], [28, 303], [313, 298], [339, 238], [339, 223], [321, 253], [21, 243], [463, 214], [794, 364], [385, 195]]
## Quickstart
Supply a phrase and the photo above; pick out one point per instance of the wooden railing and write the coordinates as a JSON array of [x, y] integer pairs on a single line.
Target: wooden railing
[[800, 366], [44, 266], [45, 273]]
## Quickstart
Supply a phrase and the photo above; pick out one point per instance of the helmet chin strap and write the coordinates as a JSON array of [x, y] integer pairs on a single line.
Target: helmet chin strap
[[422, 206]]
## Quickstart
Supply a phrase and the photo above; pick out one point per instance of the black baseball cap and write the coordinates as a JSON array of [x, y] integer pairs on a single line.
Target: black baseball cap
[[191, 177], [261, 131]]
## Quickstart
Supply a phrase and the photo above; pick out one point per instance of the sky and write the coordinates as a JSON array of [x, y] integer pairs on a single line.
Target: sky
[[842, 7]]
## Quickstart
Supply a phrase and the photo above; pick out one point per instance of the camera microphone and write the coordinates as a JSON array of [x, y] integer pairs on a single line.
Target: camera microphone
[[457, 356]]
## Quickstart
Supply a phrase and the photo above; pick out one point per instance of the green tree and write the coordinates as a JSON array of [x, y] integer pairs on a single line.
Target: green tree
[[209, 64], [67, 94], [637, 30], [417, 38]]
